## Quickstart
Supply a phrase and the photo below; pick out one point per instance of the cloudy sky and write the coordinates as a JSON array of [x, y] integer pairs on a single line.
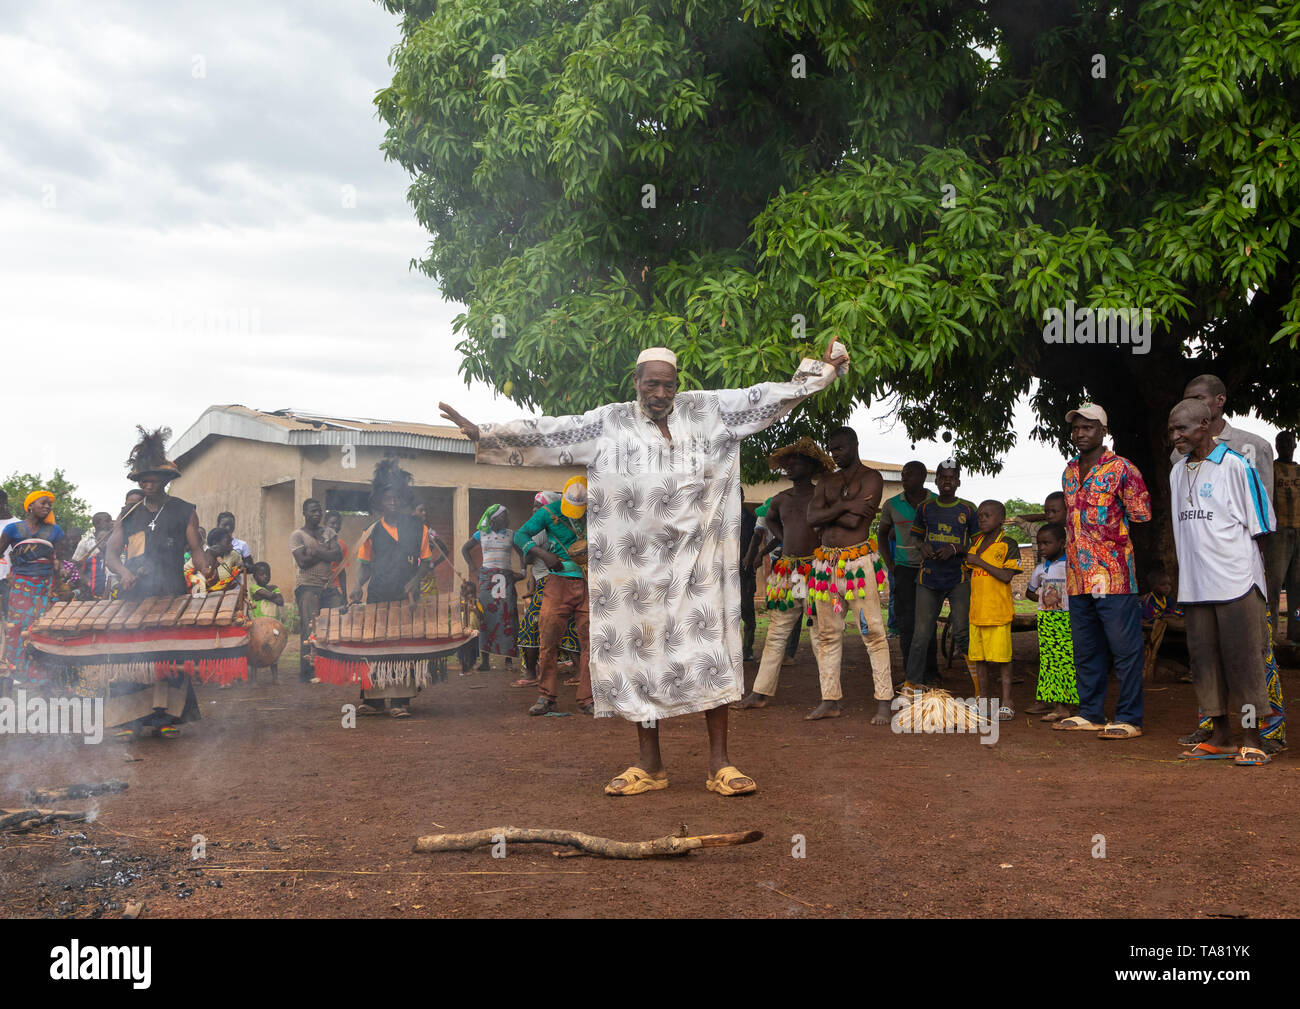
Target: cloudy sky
[[195, 211]]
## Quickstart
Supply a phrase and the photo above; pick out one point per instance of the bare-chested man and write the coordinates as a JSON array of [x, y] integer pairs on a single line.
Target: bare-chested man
[[787, 521], [843, 507]]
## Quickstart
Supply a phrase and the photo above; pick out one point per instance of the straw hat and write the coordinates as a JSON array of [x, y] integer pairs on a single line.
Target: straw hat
[[807, 448]]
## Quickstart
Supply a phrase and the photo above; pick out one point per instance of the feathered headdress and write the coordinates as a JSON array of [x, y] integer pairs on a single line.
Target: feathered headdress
[[389, 476], [149, 455]]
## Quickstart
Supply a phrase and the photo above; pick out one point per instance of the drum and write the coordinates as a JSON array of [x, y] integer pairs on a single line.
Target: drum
[[266, 640]]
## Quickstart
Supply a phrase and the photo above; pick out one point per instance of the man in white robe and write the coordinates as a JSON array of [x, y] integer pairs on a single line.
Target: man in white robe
[[663, 521]]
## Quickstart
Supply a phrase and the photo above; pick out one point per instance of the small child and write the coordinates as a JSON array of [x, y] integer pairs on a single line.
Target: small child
[[993, 560], [230, 562], [1160, 601], [266, 599], [1057, 687], [1054, 508]]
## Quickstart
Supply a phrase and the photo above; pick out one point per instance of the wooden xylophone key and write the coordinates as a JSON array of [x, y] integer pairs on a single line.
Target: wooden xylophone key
[[357, 623], [50, 617], [189, 617], [59, 615], [208, 611], [368, 627], [97, 611], [73, 620], [136, 620], [158, 614], [119, 621], [228, 608], [105, 617], [381, 621], [172, 614], [336, 627], [324, 618], [399, 621], [64, 619], [431, 619]]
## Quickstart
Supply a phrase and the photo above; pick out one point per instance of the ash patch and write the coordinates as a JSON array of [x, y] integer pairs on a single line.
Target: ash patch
[[65, 874]]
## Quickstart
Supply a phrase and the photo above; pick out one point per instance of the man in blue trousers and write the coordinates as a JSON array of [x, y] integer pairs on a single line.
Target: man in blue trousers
[[1104, 492]]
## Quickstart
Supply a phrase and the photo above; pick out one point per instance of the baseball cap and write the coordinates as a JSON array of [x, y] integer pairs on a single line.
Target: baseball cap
[[573, 502], [1089, 411]]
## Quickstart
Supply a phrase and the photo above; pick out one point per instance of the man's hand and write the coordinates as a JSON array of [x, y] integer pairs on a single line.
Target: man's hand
[[838, 359], [469, 429], [355, 595], [128, 581], [547, 557]]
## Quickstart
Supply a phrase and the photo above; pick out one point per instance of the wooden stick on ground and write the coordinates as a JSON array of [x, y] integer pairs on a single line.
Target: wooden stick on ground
[[27, 818], [661, 846], [74, 791]]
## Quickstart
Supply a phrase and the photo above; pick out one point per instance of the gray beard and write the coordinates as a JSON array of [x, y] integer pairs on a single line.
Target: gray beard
[[645, 412]]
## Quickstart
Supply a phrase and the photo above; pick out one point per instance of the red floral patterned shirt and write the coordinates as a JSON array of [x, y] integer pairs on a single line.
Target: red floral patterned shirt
[[1098, 551]]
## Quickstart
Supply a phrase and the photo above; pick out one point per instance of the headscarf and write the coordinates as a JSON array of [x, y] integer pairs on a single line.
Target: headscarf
[[485, 523], [545, 497], [35, 496]]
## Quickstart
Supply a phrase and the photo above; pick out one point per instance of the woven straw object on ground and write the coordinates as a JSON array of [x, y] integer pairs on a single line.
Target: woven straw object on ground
[[937, 711]]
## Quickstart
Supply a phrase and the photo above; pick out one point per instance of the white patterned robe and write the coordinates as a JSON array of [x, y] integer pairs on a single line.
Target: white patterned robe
[[663, 532]]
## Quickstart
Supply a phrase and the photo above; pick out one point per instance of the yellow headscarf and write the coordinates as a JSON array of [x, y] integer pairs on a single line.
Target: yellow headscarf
[[36, 495]]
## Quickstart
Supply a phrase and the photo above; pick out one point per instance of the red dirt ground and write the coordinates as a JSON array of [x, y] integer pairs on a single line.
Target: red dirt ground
[[895, 825]]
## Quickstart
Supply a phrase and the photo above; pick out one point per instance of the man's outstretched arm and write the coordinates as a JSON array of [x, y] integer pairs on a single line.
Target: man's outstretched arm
[[750, 410], [547, 441]]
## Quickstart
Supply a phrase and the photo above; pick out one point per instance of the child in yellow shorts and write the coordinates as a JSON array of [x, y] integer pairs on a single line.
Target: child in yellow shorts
[[993, 560]]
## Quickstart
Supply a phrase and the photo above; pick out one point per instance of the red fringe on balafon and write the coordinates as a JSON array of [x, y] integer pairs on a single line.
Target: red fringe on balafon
[[343, 672], [222, 672]]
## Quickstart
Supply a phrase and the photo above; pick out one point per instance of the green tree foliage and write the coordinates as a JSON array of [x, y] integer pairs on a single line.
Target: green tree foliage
[[1019, 506], [923, 180], [69, 509]]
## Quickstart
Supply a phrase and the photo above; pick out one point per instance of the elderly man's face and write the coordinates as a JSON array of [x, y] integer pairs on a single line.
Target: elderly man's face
[[1187, 431], [655, 389]]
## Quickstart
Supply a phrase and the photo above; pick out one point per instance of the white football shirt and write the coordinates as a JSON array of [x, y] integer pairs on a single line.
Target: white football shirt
[[1219, 508]]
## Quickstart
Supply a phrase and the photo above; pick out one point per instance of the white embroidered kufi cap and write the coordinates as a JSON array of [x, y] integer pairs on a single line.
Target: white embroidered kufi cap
[[657, 354]]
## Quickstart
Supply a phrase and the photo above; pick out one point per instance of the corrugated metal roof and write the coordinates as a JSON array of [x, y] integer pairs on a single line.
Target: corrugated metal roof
[[293, 427]]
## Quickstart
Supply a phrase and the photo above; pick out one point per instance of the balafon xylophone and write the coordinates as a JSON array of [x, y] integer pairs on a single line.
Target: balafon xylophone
[[147, 640], [379, 645]]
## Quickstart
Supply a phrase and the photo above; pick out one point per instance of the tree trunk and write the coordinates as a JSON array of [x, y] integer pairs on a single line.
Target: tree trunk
[[1138, 424]]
